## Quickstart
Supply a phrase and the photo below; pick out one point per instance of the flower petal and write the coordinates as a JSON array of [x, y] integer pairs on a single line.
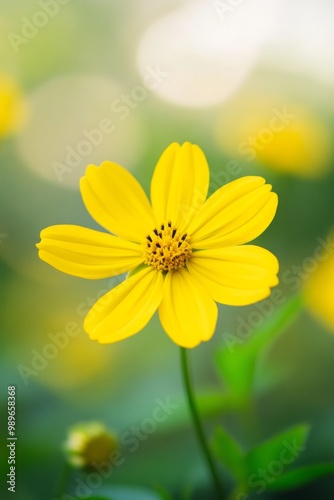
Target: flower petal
[[116, 200], [126, 309], [87, 253], [235, 276], [235, 214], [179, 184], [187, 312]]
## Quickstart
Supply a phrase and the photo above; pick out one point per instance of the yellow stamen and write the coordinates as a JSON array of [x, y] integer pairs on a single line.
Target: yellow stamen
[[166, 249]]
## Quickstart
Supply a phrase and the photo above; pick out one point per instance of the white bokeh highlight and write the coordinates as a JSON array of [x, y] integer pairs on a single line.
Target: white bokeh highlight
[[207, 52], [78, 120], [303, 41]]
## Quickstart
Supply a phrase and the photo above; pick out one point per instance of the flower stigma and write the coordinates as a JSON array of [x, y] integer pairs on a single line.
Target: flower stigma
[[166, 249]]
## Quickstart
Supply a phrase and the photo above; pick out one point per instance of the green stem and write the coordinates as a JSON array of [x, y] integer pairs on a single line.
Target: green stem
[[198, 425], [63, 480]]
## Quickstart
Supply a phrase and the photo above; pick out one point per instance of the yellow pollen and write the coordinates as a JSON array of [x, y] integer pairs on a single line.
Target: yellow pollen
[[166, 249]]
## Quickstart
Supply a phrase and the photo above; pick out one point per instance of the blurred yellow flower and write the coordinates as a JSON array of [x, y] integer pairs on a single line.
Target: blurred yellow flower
[[318, 291], [90, 443], [302, 147], [287, 138], [75, 365], [13, 108], [185, 252]]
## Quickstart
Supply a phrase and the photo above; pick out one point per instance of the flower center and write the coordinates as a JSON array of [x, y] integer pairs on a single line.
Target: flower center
[[166, 249]]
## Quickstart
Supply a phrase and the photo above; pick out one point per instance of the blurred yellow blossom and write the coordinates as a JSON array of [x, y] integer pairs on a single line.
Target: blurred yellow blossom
[[13, 107], [280, 134], [319, 290], [90, 443], [75, 364]]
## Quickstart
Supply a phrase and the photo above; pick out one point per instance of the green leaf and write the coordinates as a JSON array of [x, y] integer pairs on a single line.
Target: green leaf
[[229, 453], [212, 402], [209, 403], [237, 369], [283, 448], [237, 363], [300, 476], [277, 323], [162, 492]]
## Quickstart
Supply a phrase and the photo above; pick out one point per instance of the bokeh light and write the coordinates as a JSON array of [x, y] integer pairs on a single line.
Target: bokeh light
[[302, 41], [205, 53], [74, 123]]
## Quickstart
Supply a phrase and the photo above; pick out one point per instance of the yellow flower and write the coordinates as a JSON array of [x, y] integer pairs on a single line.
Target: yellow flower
[[12, 106], [186, 252], [318, 290], [90, 443], [289, 139]]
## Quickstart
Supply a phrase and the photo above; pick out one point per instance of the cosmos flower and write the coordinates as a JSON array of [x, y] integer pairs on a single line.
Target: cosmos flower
[[184, 252]]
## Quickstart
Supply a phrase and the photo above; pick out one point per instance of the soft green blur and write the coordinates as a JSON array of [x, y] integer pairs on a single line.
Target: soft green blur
[[92, 92]]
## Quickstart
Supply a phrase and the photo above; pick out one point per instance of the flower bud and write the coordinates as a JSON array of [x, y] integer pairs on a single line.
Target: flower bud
[[89, 443]]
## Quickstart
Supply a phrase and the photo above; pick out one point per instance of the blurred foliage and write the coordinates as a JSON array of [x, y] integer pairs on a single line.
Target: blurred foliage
[[238, 362], [254, 470]]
